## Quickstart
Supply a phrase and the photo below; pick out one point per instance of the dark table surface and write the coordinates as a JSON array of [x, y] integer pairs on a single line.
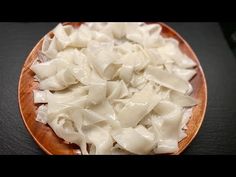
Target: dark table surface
[[218, 132]]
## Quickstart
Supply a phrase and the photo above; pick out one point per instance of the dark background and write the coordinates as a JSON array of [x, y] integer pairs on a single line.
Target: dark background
[[218, 132]]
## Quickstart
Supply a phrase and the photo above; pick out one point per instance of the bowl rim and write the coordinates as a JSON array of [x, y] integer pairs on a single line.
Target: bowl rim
[[18, 95], [162, 24]]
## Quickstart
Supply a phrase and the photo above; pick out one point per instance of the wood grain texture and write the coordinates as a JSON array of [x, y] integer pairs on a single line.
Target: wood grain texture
[[51, 144]]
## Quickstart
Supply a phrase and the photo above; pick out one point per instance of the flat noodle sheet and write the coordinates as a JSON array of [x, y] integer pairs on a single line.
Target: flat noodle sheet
[[166, 79], [100, 138], [166, 130], [182, 100], [135, 140], [138, 106]]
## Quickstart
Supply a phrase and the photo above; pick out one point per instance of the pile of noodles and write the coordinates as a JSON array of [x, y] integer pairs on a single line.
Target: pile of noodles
[[114, 88]]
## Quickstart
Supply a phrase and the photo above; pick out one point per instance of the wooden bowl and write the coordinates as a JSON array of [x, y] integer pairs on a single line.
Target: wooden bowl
[[51, 144]]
